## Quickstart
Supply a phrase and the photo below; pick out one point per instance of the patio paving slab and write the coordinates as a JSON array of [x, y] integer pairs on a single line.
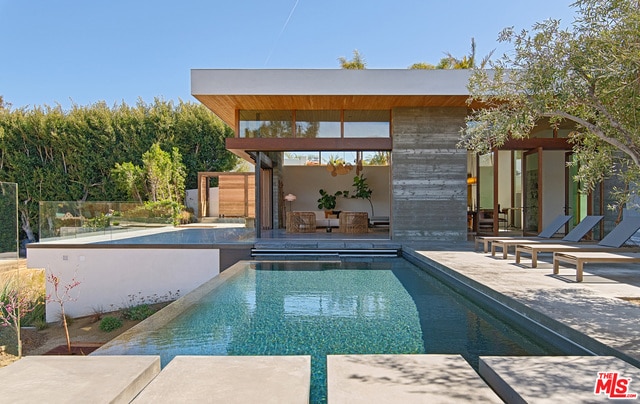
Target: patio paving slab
[[231, 379], [558, 379], [77, 379], [371, 379]]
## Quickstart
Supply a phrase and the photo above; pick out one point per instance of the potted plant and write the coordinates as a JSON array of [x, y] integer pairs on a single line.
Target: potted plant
[[362, 190], [327, 201]]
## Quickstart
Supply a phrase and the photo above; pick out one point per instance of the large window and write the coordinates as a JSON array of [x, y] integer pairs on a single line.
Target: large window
[[366, 124], [314, 124], [266, 124], [317, 123], [315, 158]]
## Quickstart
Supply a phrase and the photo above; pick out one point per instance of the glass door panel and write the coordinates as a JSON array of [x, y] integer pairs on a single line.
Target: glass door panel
[[532, 184], [515, 217], [485, 193]]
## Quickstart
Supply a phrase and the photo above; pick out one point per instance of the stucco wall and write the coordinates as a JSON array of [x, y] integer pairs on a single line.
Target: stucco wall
[[110, 276], [429, 197]]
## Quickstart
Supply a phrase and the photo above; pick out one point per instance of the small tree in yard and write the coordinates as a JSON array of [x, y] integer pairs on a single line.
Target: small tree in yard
[[62, 294], [588, 75], [160, 181], [13, 307]]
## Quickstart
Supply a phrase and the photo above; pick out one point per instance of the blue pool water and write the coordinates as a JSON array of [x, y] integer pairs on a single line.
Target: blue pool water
[[189, 236], [317, 309]]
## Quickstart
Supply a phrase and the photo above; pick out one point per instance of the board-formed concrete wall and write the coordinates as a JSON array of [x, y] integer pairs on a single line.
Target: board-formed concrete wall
[[429, 197]]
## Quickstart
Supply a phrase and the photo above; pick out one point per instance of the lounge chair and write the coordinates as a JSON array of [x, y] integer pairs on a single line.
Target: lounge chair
[[580, 258], [546, 233], [575, 235], [613, 242]]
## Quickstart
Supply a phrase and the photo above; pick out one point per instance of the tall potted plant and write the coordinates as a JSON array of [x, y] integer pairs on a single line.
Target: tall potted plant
[[362, 190]]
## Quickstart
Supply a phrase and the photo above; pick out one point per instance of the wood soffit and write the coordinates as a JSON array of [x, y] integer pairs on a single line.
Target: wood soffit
[[225, 106]]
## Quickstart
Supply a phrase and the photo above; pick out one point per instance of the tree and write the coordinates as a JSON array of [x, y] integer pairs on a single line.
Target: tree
[[421, 66], [588, 74], [14, 305], [357, 63], [161, 177], [58, 155], [61, 294], [451, 62]]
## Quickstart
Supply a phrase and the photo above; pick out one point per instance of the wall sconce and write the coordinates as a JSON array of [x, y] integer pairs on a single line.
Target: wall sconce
[[472, 180]]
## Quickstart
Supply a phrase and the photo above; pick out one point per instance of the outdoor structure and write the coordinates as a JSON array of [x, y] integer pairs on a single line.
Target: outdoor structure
[[235, 193], [308, 130]]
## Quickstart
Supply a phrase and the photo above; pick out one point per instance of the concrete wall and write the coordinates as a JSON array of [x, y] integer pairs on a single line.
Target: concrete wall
[[109, 276], [429, 196]]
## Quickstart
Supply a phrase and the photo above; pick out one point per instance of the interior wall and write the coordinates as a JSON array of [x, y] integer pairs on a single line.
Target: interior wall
[[305, 183]]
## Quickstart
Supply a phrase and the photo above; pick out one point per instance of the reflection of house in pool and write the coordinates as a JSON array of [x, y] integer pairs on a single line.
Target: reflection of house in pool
[[400, 128]]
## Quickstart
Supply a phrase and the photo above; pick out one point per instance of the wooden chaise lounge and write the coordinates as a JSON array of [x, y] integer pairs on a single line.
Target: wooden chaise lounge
[[613, 242], [580, 258], [548, 232], [574, 236]]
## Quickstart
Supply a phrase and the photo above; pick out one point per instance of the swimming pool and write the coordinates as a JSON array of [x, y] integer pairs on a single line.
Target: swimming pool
[[321, 308]]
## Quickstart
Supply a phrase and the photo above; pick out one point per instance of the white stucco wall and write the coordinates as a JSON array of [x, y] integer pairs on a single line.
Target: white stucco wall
[[191, 201], [109, 276]]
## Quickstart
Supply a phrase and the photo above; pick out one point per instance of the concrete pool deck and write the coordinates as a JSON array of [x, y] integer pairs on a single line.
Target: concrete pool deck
[[601, 307]]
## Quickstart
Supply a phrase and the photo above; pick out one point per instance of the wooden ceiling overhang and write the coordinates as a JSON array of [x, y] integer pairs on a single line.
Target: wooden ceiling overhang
[[227, 91], [226, 106]]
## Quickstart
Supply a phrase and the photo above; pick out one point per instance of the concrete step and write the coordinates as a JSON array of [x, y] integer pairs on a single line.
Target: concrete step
[[77, 379], [231, 379], [558, 379], [325, 252], [368, 379]]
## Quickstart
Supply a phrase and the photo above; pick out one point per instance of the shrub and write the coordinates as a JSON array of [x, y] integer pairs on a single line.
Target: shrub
[[138, 312], [109, 323], [40, 324], [36, 315]]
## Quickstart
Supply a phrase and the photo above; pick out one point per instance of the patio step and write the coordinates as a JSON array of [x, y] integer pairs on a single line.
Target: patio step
[[325, 252]]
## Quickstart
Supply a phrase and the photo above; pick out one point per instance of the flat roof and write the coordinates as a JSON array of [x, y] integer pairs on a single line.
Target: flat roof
[[224, 91]]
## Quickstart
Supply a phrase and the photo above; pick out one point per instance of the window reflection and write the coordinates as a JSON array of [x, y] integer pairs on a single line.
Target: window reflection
[[266, 124], [366, 123], [317, 124], [314, 158], [314, 124]]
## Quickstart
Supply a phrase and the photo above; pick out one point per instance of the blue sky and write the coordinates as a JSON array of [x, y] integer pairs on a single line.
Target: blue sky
[[82, 52]]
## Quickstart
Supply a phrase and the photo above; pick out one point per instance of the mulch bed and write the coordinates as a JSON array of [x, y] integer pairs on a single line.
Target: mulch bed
[[76, 349]]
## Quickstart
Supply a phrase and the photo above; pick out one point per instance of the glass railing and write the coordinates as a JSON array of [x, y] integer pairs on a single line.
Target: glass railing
[[68, 219], [8, 221]]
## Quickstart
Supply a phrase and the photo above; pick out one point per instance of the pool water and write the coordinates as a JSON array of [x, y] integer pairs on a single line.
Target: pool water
[[312, 308]]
